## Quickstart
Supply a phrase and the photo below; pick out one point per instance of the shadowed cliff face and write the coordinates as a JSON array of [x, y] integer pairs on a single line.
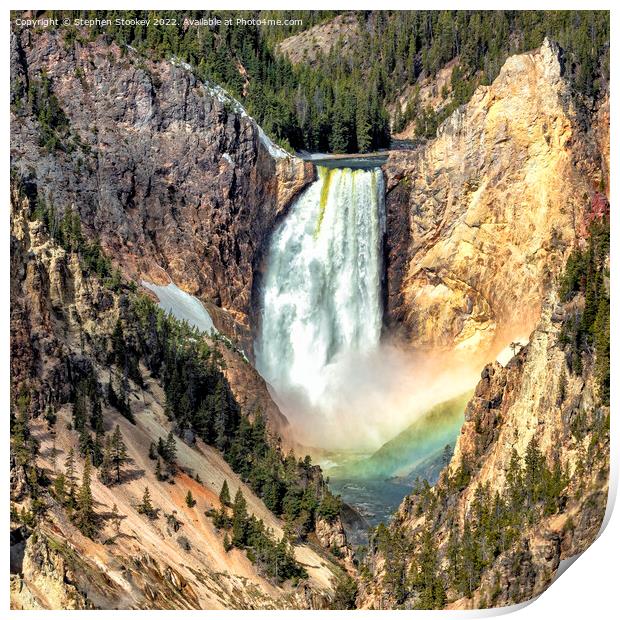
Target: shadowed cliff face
[[169, 172], [480, 218]]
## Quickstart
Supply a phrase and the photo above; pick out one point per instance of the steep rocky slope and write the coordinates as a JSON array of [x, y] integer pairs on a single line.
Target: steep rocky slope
[[310, 45], [513, 183], [61, 322], [541, 412], [175, 179], [429, 92], [480, 219]]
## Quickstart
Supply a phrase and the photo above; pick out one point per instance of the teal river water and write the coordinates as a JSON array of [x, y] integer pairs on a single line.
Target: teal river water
[[374, 500]]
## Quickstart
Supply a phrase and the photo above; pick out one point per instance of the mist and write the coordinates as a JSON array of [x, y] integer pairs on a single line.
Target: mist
[[369, 397]]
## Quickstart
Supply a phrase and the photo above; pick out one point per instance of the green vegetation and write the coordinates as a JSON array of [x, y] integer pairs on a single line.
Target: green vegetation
[[65, 229], [339, 103], [199, 402], [481, 41], [53, 124], [145, 507], [424, 574], [345, 593], [587, 274], [189, 500], [24, 451], [273, 558], [24, 446], [496, 521], [330, 507], [167, 450], [225, 494], [493, 524], [118, 453], [85, 517]]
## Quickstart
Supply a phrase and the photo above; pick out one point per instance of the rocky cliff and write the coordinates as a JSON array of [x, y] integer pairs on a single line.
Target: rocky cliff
[[170, 173], [480, 218], [541, 412], [62, 319], [513, 182]]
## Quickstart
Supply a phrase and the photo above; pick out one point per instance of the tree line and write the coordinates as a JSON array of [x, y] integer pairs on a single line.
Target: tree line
[[339, 103], [414, 568], [587, 274]]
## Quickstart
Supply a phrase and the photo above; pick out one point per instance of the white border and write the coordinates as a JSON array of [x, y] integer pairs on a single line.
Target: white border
[[589, 588]]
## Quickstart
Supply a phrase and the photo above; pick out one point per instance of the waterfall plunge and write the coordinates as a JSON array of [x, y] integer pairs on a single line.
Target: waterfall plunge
[[321, 300]]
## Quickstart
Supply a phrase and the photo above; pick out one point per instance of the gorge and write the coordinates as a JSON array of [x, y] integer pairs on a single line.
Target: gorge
[[344, 389], [264, 331]]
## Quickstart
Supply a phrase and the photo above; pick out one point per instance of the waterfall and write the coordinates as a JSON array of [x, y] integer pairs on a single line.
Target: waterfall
[[321, 294]]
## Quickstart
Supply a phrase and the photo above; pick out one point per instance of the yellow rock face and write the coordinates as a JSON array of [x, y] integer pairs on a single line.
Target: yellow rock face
[[482, 217]]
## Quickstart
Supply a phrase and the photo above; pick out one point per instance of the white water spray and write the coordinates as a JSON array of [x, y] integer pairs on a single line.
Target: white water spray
[[322, 288], [321, 315]]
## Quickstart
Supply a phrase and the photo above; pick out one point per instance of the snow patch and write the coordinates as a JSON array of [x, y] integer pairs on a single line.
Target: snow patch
[[222, 96], [277, 152], [182, 306]]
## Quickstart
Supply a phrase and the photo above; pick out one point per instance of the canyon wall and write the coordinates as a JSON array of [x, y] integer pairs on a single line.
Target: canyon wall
[[537, 399], [480, 219], [514, 181], [62, 319], [170, 173]]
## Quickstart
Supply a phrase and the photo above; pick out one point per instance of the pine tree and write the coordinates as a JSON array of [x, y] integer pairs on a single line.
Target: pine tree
[[161, 448], [158, 471], [50, 417], [239, 520], [23, 446], [535, 464], [59, 488], [70, 478], [85, 442], [363, 123], [146, 507], [170, 449], [189, 499], [79, 406], [96, 416], [602, 344], [85, 514], [97, 449], [105, 471], [221, 415], [119, 452], [225, 494], [339, 139]]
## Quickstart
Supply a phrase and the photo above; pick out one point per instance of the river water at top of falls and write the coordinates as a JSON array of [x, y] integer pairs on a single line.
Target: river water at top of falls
[[321, 306]]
